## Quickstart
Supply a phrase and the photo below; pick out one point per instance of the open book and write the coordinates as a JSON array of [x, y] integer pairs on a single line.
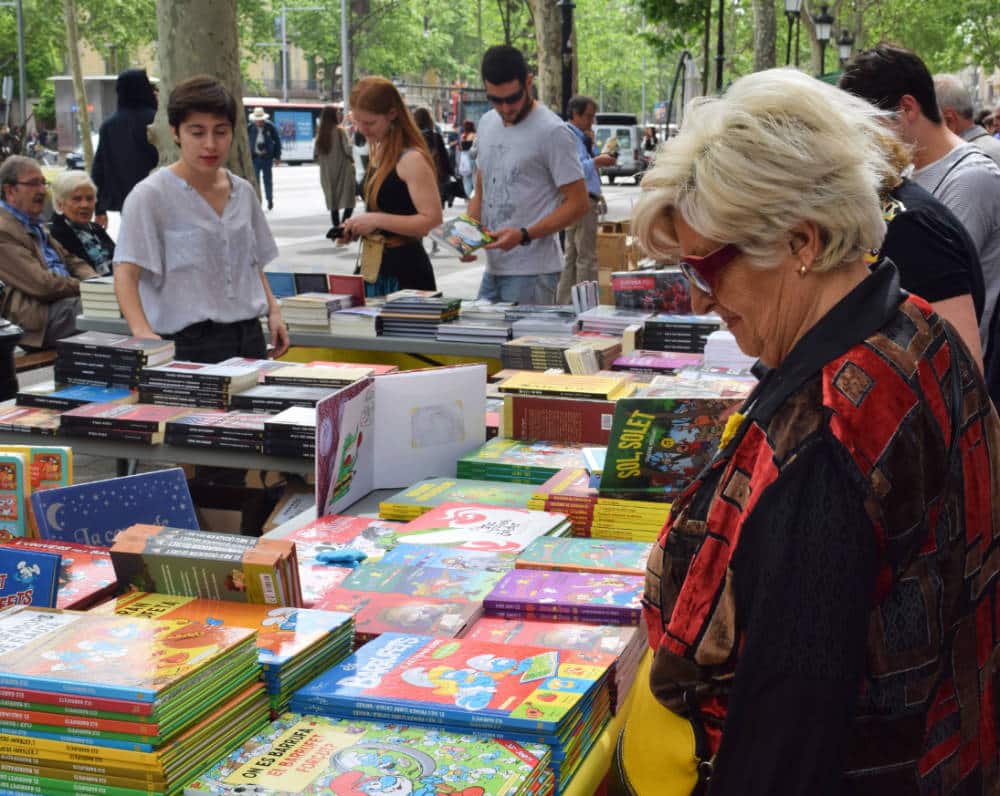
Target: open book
[[463, 234]]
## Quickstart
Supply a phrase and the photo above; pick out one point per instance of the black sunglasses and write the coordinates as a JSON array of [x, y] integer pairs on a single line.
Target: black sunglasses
[[511, 99]]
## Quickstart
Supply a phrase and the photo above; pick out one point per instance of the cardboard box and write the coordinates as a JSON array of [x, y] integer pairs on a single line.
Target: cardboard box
[[612, 250], [296, 497], [232, 508]]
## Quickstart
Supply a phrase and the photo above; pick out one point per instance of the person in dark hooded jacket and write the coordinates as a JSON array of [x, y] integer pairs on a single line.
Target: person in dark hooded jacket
[[124, 155]]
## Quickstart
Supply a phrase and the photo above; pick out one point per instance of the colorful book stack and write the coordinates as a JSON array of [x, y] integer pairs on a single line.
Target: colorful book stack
[[273, 398], [115, 704], [280, 761], [310, 312], [195, 384], [525, 694], [520, 462], [97, 297], [417, 316], [86, 575], [626, 643], [107, 360], [425, 495], [600, 597], [418, 580], [144, 423], [239, 431], [218, 566], [291, 433], [597, 387], [586, 555], [29, 420], [669, 332], [496, 529], [656, 362], [357, 322], [332, 375], [50, 395], [293, 644], [661, 290]]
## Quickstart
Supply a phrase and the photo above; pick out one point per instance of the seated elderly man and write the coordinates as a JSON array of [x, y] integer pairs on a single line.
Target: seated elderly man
[[41, 279]]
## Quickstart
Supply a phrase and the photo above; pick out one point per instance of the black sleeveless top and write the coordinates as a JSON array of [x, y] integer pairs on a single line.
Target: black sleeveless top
[[410, 263]]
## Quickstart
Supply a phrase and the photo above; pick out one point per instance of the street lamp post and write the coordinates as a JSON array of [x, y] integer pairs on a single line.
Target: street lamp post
[[845, 46], [793, 10], [21, 95], [284, 43], [567, 7], [720, 49], [824, 29]]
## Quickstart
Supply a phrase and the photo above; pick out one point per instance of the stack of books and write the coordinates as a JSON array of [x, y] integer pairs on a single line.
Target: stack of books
[[262, 366], [143, 423], [107, 360], [599, 387], [471, 526], [721, 351], [357, 322], [502, 459], [660, 290], [195, 384], [656, 362], [428, 682], [600, 597], [273, 398], [291, 433], [118, 704], [626, 643], [431, 492], [417, 316], [239, 431], [50, 395], [434, 555], [29, 420], [418, 580], [592, 354], [668, 332], [332, 375], [610, 320], [293, 644], [547, 320], [218, 566], [86, 576], [98, 299], [447, 763], [536, 353], [469, 331], [310, 312]]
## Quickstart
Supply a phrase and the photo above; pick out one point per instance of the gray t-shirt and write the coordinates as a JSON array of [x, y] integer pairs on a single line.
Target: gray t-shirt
[[968, 183], [523, 167], [196, 265]]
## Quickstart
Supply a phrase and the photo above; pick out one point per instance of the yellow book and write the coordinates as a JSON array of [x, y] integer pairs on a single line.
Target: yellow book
[[609, 388]]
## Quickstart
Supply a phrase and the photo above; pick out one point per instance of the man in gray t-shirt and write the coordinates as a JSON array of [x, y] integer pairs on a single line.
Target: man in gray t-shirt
[[529, 184]]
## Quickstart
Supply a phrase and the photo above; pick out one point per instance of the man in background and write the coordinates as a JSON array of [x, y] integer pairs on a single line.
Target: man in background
[[265, 148], [955, 102]]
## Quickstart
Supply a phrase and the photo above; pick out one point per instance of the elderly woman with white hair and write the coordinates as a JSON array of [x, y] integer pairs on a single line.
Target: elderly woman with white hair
[[74, 196], [822, 603]]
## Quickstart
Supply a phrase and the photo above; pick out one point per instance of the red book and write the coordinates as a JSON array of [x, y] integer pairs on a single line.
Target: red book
[[135, 417], [11, 717], [86, 575], [376, 370], [568, 420], [349, 284], [83, 704]]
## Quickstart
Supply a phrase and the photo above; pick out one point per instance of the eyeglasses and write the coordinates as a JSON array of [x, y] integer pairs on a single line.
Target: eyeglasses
[[702, 272], [33, 183], [510, 99]]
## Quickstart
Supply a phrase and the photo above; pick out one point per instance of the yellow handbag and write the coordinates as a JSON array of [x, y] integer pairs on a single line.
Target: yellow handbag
[[372, 247]]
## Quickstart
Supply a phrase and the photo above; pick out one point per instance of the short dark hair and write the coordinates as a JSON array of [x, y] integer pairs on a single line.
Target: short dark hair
[[883, 74], [578, 105], [200, 94], [503, 63]]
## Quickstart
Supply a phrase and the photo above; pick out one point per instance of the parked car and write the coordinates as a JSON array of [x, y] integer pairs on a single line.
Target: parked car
[[629, 136], [74, 159]]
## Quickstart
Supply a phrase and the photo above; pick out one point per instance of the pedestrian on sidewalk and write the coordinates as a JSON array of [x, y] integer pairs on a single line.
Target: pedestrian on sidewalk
[[467, 158], [332, 151], [265, 148], [439, 154]]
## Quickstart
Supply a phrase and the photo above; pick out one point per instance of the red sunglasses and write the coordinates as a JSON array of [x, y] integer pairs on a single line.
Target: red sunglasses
[[702, 272]]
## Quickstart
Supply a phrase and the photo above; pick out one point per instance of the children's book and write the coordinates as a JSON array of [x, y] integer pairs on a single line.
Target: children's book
[[586, 555], [463, 234], [93, 513], [609, 639], [415, 424], [360, 757], [430, 492], [497, 529], [432, 555], [423, 581], [522, 462], [15, 489], [28, 577], [338, 532], [85, 571], [580, 596], [378, 612]]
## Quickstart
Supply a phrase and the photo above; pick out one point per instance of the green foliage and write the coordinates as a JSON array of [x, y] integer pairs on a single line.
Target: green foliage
[[45, 108]]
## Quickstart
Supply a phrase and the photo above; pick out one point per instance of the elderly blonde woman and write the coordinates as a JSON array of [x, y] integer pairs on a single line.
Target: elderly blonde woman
[[822, 603], [74, 196]]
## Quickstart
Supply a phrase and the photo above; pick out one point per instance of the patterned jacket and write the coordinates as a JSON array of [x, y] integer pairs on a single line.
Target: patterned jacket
[[823, 603]]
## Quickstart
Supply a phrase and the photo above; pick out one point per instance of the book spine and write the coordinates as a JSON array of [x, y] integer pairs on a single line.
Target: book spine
[[49, 786], [40, 717], [128, 746], [76, 752], [575, 614], [84, 772], [118, 424]]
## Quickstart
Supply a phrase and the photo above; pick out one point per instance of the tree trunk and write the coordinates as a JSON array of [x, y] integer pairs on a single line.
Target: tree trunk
[[79, 89], [548, 34], [199, 38], [765, 35]]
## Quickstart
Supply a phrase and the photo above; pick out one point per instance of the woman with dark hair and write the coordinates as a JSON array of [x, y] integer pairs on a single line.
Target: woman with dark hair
[[467, 158], [401, 193], [332, 151], [439, 152]]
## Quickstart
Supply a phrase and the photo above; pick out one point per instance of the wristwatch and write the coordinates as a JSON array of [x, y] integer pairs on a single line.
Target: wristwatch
[[525, 237]]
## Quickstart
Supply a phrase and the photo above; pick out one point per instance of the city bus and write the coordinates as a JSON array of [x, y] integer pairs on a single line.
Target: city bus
[[297, 123]]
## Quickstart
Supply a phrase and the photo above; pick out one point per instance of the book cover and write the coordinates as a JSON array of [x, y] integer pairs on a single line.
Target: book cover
[[116, 657], [28, 577], [586, 555], [85, 571], [350, 284], [556, 419], [430, 492], [609, 639], [386, 612], [463, 234], [587, 596], [429, 555], [606, 388], [653, 291], [308, 755], [30, 420], [460, 683], [337, 532], [94, 513], [15, 489], [522, 455], [498, 529], [446, 583], [134, 417], [667, 362], [60, 397]]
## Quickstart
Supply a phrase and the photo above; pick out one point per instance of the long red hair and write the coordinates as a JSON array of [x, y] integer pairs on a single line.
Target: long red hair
[[377, 95]]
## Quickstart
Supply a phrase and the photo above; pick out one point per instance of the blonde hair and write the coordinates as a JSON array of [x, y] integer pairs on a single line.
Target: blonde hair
[[66, 183], [778, 148]]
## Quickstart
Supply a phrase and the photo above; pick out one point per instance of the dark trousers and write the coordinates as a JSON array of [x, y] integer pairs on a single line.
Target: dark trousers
[[335, 215], [210, 342], [263, 166]]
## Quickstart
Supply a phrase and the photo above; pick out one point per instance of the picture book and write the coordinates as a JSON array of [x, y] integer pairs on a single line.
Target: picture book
[[15, 489], [463, 234], [381, 612], [514, 460], [49, 466], [585, 596], [432, 555], [586, 555], [28, 577], [423, 581], [85, 571], [318, 755], [117, 657], [337, 532], [461, 683], [497, 529], [658, 445], [415, 424], [93, 513], [318, 579], [609, 639], [429, 492]]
